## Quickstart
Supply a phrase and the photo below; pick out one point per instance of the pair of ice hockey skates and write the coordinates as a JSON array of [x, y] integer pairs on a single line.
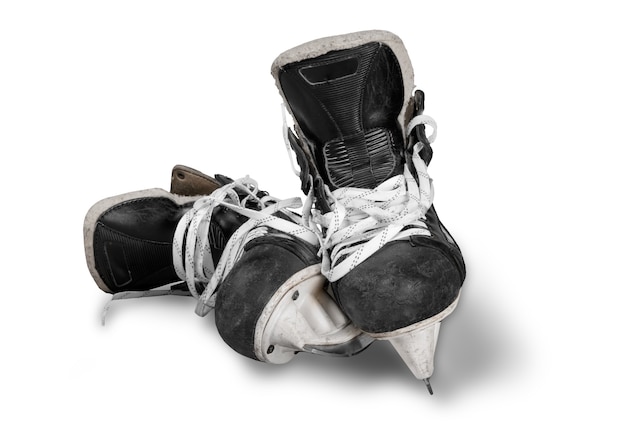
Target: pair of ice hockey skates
[[365, 258]]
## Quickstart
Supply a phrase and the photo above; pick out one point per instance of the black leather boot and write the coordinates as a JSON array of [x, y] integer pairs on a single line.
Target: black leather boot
[[360, 140]]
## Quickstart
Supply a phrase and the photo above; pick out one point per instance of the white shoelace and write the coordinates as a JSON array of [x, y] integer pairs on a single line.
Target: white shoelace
[[364, 220], [194, 264]]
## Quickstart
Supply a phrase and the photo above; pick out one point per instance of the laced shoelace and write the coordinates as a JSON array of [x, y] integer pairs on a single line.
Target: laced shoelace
[[192, 255], [364, 220]]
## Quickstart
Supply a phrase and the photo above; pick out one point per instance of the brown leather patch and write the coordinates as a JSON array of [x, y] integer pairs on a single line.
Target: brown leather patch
[[187, 181]]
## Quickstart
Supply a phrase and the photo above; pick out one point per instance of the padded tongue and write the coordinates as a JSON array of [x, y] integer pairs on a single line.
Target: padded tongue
[[347, 103], [187, 181]]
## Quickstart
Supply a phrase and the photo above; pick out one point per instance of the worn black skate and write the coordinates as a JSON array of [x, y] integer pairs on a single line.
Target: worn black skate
[[362, 148], [206, 235]]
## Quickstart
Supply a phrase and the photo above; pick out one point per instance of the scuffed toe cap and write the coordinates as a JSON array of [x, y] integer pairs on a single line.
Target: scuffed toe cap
[[398, 286]]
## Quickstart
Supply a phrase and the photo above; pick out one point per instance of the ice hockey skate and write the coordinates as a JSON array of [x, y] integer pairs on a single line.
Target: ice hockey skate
[[359, 136], [235, 249]]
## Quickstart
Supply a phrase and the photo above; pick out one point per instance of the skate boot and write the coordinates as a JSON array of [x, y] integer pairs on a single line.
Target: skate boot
[[361, 144], [154, 242]]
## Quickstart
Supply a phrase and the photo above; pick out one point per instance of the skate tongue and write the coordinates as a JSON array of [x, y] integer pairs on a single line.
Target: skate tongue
[[223, 180], [346, 104], [188, 181]]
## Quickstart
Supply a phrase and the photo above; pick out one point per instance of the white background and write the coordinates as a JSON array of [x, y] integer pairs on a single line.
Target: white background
[[101, 98]]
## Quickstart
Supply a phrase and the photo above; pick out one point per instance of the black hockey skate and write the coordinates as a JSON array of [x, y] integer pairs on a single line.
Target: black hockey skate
[[361, 145], [234, 244]]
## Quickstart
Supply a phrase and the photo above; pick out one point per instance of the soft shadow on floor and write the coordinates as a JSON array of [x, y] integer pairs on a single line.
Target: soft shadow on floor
[[475, 344]]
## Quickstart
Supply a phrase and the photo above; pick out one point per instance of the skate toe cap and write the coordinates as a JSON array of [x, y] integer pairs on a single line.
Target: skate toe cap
[[398, 286]]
